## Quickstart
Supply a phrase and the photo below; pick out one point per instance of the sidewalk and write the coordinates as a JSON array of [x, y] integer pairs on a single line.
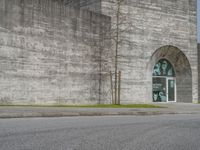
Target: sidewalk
[[21, 112]]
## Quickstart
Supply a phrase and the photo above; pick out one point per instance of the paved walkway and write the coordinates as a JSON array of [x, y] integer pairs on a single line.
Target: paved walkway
[[20, 112]]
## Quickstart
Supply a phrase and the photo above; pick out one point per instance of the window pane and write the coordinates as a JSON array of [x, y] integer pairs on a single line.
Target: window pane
[[159, 89], [163, 68], [171, 90]]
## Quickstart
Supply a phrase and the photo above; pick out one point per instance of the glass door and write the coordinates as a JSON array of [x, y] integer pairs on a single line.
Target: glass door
[[164, 82], [171, 89], [159, 89]]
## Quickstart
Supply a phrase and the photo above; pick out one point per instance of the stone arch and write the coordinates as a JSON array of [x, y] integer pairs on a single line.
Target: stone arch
[[181, 67]]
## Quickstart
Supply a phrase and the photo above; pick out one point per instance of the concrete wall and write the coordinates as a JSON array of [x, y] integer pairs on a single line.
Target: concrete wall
[[198, 71], [149, 25], [50, 53], [92, 5]]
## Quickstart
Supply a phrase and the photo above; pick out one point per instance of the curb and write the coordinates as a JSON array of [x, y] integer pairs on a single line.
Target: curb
[[77, 114]]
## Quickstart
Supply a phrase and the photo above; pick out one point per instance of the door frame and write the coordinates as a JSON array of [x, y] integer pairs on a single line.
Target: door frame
[[167, 89]]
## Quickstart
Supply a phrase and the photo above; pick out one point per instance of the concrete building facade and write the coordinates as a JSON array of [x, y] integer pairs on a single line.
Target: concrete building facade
[[51, 53], [198, 70], [61, 51], [157, 30]]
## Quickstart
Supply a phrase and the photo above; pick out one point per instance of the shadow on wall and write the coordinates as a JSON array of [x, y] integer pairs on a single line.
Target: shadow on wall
[[181, 67]]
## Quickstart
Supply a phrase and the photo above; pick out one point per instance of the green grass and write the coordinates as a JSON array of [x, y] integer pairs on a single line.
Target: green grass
[[89, 106], [119, 106]]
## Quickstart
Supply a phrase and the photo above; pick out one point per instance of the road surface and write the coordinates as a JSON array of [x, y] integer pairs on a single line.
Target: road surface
[[163, 132]]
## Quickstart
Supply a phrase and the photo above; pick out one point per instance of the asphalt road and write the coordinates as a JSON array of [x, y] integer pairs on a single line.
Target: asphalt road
[[164, 132]]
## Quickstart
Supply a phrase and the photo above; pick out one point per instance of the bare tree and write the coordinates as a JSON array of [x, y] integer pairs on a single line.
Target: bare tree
[[119, 26]]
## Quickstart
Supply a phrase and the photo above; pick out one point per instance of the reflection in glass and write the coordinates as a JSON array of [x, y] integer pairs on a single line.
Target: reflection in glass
[[163, 87], [163, 68], [171, 90], [159, 89]]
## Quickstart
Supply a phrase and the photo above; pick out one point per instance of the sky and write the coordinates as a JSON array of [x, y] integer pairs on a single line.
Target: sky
[[198, 20]]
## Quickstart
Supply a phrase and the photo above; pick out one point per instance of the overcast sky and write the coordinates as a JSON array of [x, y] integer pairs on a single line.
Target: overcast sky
[[198, 4]]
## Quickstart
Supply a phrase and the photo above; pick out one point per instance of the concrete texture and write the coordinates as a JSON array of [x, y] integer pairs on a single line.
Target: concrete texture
[[50, 53], [149, 27], [198, 70], [92, 5]]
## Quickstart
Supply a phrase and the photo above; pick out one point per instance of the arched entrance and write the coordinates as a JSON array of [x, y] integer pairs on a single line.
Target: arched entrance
[[164, 82], [179, 79]]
